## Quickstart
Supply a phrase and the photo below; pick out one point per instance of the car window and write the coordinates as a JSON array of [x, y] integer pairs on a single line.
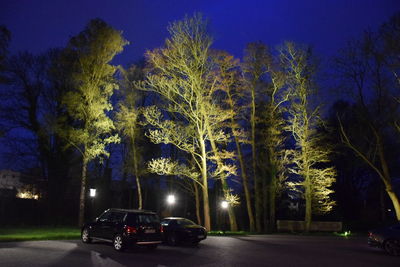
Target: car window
[[148, 218], [141, 218], [105, 217], [117, 216], [184, 222]]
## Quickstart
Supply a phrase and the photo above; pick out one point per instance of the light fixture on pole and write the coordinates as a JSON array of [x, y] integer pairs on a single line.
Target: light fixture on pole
[[171, 199], [92, 192], [224, 204]]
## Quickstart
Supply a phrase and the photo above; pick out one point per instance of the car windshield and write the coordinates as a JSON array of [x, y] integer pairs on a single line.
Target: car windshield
[[185, 222], [142, 218]]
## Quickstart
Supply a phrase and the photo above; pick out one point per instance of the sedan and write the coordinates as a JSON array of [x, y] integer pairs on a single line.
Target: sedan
[[177, 230], [387, 238]]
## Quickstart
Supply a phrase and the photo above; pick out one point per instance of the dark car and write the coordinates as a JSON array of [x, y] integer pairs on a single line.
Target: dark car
[[125, 228], [387, 238], [177, 230]]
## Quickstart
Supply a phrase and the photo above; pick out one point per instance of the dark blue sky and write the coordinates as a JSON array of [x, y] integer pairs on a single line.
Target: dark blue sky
[[37, 25]]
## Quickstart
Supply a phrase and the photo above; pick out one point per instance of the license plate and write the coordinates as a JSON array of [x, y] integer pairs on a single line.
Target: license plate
[[200, 236], [150, 231]]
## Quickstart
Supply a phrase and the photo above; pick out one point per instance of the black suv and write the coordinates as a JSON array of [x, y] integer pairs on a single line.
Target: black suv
[[124, 228]]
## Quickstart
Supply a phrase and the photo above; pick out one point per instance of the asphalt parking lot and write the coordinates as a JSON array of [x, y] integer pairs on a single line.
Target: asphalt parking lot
[[260, 250]]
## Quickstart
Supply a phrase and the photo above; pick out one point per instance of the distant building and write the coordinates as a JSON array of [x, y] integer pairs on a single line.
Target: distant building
[[12, 186], [10, 180]]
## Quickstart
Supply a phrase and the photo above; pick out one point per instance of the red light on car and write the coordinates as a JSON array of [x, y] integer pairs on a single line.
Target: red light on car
[[161, 229], [130, 230]]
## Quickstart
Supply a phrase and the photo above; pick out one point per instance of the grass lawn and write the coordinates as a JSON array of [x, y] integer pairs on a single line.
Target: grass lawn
[[38, 233], [227, 233]]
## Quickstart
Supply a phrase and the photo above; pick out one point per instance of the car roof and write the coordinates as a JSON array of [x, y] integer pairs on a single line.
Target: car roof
[[175, 218], [132, 211]]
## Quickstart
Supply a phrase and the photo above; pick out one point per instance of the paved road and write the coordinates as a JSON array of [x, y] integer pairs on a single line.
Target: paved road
[[248, 251]]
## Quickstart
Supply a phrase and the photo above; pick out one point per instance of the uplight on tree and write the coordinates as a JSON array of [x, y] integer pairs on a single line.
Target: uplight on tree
[[89, 101], [224, 204]]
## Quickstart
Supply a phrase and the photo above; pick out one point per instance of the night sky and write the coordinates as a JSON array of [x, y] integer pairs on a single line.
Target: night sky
[[37, 25]]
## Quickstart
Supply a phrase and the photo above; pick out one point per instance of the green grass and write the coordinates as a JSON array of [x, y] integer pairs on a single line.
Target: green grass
[[227, 233], [345, 234], [38, 233]]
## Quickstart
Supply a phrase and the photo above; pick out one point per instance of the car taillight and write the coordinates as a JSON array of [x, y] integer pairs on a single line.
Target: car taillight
[[130, 230], [161, 229]]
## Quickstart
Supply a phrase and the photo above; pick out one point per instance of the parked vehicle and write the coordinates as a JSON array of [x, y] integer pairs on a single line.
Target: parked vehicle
[[387, 238], [124, 228], [177, 230]]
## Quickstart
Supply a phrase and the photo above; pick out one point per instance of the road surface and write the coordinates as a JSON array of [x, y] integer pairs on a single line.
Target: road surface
[[248, 251]]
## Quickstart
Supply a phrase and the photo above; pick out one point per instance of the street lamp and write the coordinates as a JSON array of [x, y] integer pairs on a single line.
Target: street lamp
[[224, 204], [171, 199], [92, 194]]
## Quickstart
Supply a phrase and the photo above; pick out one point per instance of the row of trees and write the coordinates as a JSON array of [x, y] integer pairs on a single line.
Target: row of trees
[[218, 120]]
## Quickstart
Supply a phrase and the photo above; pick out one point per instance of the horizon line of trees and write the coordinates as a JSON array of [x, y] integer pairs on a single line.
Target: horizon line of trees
[[254, 127]]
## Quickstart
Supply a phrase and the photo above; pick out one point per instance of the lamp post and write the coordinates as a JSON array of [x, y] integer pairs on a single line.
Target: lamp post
[[92, 194], [224, 206], [171, 200]]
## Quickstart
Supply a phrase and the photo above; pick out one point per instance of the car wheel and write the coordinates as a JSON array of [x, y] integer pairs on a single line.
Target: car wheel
[[85, 236], [118, 243], [172, 239], [392, 247]]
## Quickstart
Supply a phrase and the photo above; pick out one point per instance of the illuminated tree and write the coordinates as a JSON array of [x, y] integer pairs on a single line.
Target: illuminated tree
[[309, 161], [362, 70], [254, 68], [227, 71], [182, 74], [88, 103], [127, 121], [277, 95]]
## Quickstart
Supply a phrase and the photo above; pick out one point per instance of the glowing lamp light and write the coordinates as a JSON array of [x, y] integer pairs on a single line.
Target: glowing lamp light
[[92, 192], [224, 204], [171, 199]]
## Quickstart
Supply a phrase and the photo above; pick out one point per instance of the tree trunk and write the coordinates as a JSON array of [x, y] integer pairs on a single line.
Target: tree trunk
[[83, 191], [245, 186], [395, 201], [257, 189], [272, 196], [272, 188], [225, 188], [206, 204], [197, 199], [136, 170], [231, 213], [264, 196], [272, 206], [308, 199], [243, 171], [386, 175]]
